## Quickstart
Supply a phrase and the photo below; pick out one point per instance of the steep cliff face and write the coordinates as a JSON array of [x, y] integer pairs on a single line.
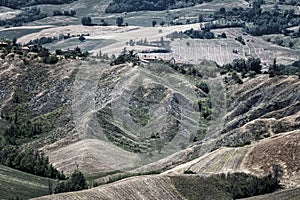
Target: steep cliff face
[[261, 108], [260, 112], [127, 116]]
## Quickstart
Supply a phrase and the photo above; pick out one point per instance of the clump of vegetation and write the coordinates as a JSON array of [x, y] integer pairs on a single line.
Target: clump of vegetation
[[205, 107], [189, 172], [72, 53], [186, 69], [27, 15], [243, 185], [277, 70], [119, 21], [141, 115], [241, 40], [199, 34], [203, 86], [229, 186], [117, 135], [236, 78], [126, 56], [86, 21], [248, 68], [70, 13], [29, 160], [259, 22], [75, 182]]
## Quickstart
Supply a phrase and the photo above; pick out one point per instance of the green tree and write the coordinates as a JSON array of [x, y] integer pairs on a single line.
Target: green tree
[[81, 38], [75, 182], [86, 21], [154, 23], [200, 18], [119, 21], [253, 64]]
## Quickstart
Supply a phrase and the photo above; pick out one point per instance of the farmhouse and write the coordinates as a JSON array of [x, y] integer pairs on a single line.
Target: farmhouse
[[152, 57], [165, 57]]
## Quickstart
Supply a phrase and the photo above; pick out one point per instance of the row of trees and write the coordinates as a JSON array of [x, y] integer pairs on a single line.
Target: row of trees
[[119, 6], [87, 21], [15, 4], [29, 160], [70, 13]]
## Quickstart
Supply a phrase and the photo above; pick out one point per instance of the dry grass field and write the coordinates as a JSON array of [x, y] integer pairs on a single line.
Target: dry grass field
[[112, 40]]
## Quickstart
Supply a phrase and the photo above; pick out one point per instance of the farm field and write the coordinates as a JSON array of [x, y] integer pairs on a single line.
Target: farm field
[[257, 47], [138, 126], [15, 184], [17, 32], [72, 43], [113, 39]]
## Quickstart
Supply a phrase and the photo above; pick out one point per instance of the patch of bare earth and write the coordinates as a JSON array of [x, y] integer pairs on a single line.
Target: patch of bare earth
[[283, 150]]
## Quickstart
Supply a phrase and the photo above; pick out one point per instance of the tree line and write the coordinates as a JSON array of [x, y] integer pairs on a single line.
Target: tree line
[[16, 4], [27, 160], [119, 6], [259, 22]]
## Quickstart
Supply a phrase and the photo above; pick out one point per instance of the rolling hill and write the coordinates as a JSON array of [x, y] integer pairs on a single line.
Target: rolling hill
[[150, 130], [16, 184]]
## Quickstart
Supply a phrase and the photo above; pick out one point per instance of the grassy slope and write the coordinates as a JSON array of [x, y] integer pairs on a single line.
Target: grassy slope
[[192, 187], [14, 183], [291, 194], [17, 33]]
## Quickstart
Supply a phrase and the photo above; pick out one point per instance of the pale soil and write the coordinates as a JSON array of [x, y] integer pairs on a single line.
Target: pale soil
[[257, 159], [282, 150], [219, 50], [7, 13], [93, 157], [223, 160], [145, 187]]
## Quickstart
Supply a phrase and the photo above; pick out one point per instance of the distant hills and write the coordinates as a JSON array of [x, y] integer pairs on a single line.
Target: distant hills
[[18, 4]]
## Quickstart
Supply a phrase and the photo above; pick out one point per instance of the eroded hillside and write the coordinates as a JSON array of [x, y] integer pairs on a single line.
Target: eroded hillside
[[87, 112], [139, 119]]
